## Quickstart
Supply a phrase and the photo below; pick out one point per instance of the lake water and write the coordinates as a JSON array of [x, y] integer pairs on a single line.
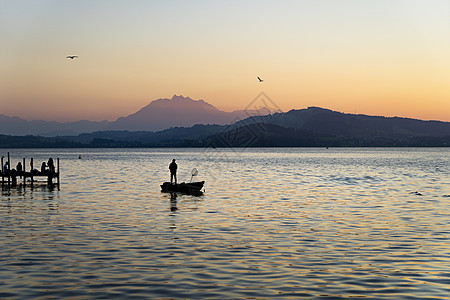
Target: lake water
[[284, 223]]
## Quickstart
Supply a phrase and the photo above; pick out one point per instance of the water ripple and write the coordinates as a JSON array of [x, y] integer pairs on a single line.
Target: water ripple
[[274, 223]]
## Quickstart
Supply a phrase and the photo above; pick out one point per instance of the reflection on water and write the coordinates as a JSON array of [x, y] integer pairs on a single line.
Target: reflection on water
[[286, 223]]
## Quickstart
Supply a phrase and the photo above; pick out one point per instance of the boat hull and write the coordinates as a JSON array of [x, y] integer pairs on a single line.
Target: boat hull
[[191, 188]]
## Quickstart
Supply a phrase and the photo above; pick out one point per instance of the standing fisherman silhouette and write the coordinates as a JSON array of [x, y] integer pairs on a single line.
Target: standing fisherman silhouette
[[173, 171]]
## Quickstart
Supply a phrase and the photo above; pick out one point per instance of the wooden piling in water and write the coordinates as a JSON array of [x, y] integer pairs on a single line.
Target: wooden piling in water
[[57, 164], [3, 174], [31, 171], [24, 171], [9, 171]]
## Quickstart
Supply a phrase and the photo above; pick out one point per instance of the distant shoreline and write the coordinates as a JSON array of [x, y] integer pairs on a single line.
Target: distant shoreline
[[36, 142]]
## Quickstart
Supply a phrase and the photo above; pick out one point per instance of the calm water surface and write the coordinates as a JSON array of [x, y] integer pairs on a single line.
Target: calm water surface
[[273, 223]]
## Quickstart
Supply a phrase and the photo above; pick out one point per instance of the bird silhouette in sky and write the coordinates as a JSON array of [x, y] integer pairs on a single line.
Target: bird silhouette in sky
[[72, 56], [260, 80]]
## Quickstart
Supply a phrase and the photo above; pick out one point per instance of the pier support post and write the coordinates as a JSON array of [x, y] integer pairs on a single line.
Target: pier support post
[[3, 174], [9, 171], [24, 172], [31, 171], [57, 176]]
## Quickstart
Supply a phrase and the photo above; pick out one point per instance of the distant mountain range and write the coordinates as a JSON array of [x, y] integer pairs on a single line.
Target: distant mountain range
[[311, 127], [160, 114], [179, 112]]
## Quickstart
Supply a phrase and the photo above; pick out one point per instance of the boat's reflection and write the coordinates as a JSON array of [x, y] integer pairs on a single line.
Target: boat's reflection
[[173, 202], [188, 202]]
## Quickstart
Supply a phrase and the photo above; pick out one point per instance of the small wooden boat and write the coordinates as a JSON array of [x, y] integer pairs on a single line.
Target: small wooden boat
[[191, 188]]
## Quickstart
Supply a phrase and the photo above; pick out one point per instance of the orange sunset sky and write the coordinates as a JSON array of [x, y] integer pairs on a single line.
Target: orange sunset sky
[[381, 57]]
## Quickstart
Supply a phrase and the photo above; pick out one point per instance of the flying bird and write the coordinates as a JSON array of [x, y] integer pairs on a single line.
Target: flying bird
[[260, 80], [72, 56]]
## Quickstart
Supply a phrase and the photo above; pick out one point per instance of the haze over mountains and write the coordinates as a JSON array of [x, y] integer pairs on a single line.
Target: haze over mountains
[[160, 114], [183, 122]]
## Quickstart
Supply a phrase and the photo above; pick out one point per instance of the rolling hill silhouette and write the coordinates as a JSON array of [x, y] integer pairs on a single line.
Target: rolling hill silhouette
[[326, 122]]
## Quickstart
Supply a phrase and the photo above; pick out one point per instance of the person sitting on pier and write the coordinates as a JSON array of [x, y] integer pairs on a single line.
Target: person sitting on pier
[[19, 167], [51, 165], [173, 171], [5, 168], [43, 167]]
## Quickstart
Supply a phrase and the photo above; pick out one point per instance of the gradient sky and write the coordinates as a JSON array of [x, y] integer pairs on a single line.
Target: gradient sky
[[381, 57]]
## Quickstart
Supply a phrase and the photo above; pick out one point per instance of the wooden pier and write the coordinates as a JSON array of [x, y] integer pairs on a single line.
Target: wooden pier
[[10, 175]]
